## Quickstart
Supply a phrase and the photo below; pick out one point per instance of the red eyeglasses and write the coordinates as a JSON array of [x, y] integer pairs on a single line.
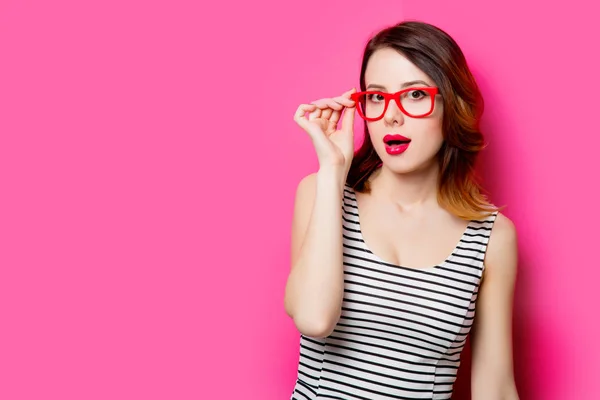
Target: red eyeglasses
[[416, 102]]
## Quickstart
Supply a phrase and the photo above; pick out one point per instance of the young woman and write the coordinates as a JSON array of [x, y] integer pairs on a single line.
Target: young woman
[[396, 255]]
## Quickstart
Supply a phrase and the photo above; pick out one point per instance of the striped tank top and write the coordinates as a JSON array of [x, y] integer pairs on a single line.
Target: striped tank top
[[402, 330]]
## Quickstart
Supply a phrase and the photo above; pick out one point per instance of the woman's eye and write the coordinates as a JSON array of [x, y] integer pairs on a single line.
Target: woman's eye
[[376, 98], [416, 94]]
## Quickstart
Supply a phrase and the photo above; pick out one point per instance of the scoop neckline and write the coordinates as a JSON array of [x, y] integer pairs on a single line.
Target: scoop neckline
[[381, 260]]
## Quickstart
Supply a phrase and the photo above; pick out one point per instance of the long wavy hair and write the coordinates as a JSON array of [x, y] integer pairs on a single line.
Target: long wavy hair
[[434, 52]]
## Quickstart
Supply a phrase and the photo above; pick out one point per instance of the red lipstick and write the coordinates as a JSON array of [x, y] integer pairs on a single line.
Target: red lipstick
[[396, 144]]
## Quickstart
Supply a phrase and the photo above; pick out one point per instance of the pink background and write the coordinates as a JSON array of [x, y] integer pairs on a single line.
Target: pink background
[[148, 163]]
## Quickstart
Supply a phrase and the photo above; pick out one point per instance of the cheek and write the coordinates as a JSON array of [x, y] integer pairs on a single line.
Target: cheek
[[431, 139], [377, 131], [434, 132], [430, 129]]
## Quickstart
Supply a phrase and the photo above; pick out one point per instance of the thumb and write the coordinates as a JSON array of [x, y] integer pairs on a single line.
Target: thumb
[[348, 118]]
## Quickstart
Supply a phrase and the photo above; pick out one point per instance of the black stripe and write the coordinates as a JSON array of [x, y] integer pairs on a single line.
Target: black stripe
[[349, 212], [353, 395], [347, 246], [350, 205], [449, 261], [421, 271], [475, 235], [317, 360], [307, 385], [457, 271], [473, 242], [347, 349], [310, 377], [364, 389], [400, 283], [302, 393], [349, 221], [468, 249], [300, 372], [391, 299], [375, 305], [351, 238], [318, 352], [381, 384], [426, 382], [387, 348], [474, 258], [345, 355], [308, 366], [339, 324], [399, 328], [458, 289], [408, 295], [309, 339], [481, 228], [345, 228]]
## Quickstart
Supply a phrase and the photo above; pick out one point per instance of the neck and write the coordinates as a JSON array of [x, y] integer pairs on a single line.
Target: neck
[[408, 191]]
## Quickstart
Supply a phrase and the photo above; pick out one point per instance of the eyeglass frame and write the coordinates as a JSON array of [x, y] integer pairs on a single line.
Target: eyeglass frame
[[433, 91]]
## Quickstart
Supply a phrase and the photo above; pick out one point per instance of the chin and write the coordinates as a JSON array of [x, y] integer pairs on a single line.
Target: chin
[[404, 164], [400, 168]]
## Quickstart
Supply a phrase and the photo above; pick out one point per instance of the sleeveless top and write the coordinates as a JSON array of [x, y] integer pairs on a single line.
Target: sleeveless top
[[402, 330]]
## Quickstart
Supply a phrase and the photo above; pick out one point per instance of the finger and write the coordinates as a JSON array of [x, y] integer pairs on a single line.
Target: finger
[[335, 105], [303, 109], [316, 113], [315, 133], [348, 119], [300, 114], [326, 113], [321, 103], [346, 98], [328, 103], [345, 101], [334, 119]]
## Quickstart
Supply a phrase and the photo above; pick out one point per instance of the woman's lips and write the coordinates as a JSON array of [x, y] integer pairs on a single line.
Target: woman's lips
[[396, 144]]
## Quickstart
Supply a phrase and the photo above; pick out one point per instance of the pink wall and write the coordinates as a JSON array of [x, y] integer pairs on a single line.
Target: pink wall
[[148, 162]]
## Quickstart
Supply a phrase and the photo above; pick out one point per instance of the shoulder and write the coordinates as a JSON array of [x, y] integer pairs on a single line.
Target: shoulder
[[504, 232], [502, 246]]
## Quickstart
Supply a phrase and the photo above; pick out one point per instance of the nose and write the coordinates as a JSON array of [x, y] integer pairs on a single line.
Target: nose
[[393, 114]]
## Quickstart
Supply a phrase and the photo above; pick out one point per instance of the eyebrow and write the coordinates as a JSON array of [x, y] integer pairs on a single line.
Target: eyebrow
[[405, 84]]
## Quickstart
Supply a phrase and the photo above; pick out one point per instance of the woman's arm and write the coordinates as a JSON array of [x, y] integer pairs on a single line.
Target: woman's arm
[[315, 286], [492, 375]]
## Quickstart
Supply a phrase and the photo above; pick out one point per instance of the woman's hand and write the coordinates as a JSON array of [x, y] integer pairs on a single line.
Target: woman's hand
[[334, 147]]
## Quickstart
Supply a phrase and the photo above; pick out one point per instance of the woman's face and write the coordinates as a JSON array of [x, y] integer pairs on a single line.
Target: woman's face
[[389, 71]]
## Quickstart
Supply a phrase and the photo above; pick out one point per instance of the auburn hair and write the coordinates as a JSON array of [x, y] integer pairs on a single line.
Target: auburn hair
[[434, 52]]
